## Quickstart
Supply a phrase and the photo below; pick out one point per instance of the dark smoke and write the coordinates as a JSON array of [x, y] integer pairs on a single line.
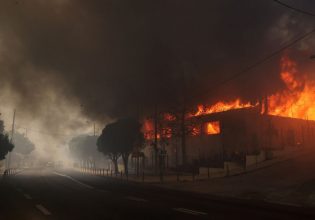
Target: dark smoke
[[119, 57]]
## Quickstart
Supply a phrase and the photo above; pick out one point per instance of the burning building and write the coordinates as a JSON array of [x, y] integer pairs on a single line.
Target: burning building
[[228, 131], [233, 134]]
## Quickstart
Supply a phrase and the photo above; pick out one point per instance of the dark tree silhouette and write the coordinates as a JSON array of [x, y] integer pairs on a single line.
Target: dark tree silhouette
[[5, 146], [120, 139], [107, 144], [1, 126], [131, 137]]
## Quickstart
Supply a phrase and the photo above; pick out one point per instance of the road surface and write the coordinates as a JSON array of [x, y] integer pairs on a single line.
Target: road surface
[[49, 194]]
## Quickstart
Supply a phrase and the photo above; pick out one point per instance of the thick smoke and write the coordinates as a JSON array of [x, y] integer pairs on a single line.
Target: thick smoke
[[120, 57]]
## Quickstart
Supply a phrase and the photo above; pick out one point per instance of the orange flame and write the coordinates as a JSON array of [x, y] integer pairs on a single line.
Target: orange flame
[[213, 128], [221, 107], [148, 129], [297, 100], [195, 131], [163, 131]]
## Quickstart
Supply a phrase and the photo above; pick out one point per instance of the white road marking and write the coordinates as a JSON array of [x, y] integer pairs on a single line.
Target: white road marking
[[18, 173], [74, 180], [27, 196], [136, 199], [43, 209], [188, 211]]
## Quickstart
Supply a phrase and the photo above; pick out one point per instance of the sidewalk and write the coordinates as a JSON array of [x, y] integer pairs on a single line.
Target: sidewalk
[[288, 179], [213, 173]]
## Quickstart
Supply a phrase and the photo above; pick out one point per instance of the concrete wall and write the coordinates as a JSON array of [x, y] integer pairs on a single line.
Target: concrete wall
[[255, 159], [203, 147]]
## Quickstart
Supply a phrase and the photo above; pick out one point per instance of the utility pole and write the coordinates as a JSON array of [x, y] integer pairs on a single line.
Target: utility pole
[[94, 129], [11, 140], [155, 139], [183, 133]]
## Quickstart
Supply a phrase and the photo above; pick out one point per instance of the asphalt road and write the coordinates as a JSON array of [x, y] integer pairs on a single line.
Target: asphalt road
[[49, 194]]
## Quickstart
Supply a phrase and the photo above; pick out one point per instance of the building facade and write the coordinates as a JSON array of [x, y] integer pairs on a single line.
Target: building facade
[[230, 136]]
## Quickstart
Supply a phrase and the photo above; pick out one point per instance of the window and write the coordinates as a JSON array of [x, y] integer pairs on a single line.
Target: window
[[212, 128]]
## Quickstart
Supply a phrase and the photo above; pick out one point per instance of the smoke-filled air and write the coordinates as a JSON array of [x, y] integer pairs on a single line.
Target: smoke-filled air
[[67, 66]]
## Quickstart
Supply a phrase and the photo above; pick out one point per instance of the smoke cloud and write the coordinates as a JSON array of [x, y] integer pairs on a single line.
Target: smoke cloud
[[63, 62]]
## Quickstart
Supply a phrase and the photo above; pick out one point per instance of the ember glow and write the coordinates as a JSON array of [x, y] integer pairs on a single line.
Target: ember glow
[[213, 128], [195, 131], [163, 130], [148, 129]]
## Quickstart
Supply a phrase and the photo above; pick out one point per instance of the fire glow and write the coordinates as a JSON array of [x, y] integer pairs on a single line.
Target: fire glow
[[295, 101], [221, 107], [213, 127]]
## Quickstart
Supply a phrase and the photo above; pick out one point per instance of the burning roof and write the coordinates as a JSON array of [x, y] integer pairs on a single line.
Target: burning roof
[[295, 101]]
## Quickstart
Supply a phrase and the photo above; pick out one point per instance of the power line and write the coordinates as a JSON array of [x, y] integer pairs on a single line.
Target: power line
[[257, 63], [295, 9]]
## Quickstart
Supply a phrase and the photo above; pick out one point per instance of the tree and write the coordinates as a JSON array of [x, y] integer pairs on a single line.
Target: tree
[[83, 148], [1, 126], [131, 137], [120, 139], [5, 146], [107, 144]]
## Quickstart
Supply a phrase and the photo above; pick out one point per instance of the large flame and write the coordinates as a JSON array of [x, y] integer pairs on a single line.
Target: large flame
[[221, 107], [297, 100]]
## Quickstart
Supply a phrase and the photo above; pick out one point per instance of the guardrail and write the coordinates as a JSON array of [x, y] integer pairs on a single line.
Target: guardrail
[[10, 172], [142, 176]]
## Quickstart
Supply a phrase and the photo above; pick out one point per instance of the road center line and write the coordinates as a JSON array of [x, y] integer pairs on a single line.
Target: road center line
[[188, 211], [136, 199], [74, 180], [43, 209], [27, 196]]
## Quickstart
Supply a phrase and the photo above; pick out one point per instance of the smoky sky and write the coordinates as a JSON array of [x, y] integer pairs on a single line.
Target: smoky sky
[[119, 57]]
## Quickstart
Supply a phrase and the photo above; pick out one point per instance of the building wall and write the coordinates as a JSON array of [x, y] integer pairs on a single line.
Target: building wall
[[242, 132]]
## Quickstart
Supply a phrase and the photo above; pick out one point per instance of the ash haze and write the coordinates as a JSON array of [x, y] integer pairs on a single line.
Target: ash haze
[[65, 62], [157, 109]]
